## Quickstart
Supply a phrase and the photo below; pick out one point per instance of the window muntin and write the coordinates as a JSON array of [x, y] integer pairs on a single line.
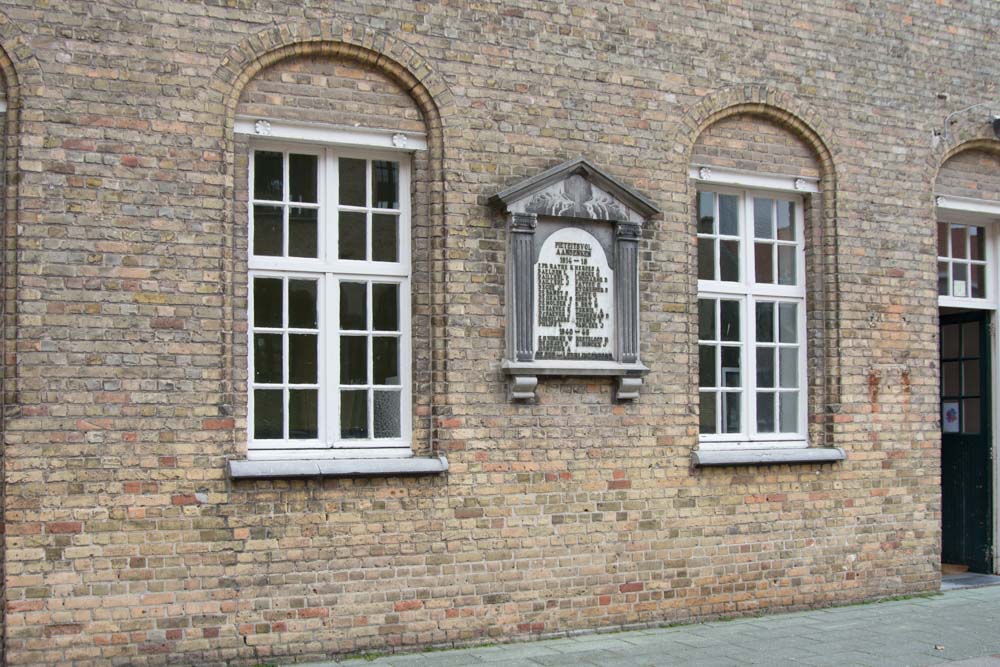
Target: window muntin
[[962, 261], [329, 299], [751, 318]]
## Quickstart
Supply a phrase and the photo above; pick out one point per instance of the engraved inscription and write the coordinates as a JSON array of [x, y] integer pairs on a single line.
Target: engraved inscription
[[574, 300]]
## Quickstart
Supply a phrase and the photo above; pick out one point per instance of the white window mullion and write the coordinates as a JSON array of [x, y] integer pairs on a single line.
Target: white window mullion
[[332, 432]]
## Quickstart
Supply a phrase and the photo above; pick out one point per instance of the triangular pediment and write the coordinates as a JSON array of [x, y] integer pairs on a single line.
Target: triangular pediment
[[576, 189]]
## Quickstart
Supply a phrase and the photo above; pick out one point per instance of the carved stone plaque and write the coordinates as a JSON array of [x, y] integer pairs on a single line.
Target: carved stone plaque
[[574, 304]]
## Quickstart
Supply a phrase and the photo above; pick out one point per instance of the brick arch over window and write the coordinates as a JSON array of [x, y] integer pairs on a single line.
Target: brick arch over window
[[363, 48], [784, 114]]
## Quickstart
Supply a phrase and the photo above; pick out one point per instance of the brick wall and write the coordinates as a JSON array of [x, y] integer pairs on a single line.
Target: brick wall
[[972, 173], [126, 544]]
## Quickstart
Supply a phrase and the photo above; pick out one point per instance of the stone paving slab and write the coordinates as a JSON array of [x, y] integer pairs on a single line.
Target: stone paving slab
[[960, 628]]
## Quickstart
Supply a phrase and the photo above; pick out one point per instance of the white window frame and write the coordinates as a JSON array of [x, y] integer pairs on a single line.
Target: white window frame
[[748, 292], [978, 213], [330, 272]]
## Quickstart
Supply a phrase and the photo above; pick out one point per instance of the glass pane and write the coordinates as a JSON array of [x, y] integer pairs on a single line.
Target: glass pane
[[786, 220], [706, 259], [765, 367], [706, 415], [942, 239], [385, 307], [959, 280], [786, 265], [788, 367], [385, 244], [765, 321], [354, 414], [970, 340], [302, 359], [352, 182], [971, 416], [267, 237], [706, 213], [386, 184], [788, 328], [302, 178], [949, 341], [978, 282], [302, 230], [970, 378], [729, 216], [763, 220], [706, 319], [387, 414], [353, 307], [353, 360], [788, 412], [731, 412], [302, 304], [730, 319], [729, 261], [763, 262], [385, 360], [267, 176], [765, 412], [706, 366], [977, 243], [268, 414], [352, 243], [267, 303], [943, 278], [267, 358], [951, 378], [730, 366], [303, 412], [958, 237]]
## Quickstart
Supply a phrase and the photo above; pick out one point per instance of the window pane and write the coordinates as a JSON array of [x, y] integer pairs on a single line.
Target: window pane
[[303, 411], [970, 378], [385, 307], [267, 176], [385, 244], [788, 323], [729, 261], [354, 414], [352, 243], [943, 278], [951, 378], [729, 216], [788, 411], [978, 282], [731, 412], [386, 184], [385, 360], [706, 213], [949, 341], [353, 360], [971, 416], [706, 417], [706, 366], [352, 182], [786, 265], [731, 367], [706, 259], [302, 178], [763, 262], [958, 241], [730, 319], [765, 412], [765, 321], [763, 220], [302, 304], [789, 367], [267, 358], [302, 230], [977, 243], [267, 302], [267, 234], [706, 319], [786, 220], [353, 307], [942, 239], [970, 339], [302, 359], [268, 414], [765, 367], [387, 414], [959, 280]]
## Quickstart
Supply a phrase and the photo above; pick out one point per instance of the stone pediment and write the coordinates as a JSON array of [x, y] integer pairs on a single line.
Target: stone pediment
[[576, 189]]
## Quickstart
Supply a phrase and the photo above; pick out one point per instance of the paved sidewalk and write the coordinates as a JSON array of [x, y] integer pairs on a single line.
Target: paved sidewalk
[[959, 627]]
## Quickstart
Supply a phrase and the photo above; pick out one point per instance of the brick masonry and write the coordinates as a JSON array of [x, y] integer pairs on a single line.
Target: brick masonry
[[124, 321]]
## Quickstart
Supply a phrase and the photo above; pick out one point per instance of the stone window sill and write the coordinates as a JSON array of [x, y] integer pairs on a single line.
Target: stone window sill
[[744, 457], [387, 467]]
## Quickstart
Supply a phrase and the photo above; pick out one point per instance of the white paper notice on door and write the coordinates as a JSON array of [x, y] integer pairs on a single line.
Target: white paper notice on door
[[949, 417]]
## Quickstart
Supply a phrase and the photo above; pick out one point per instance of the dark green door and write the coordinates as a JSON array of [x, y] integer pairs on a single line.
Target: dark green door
[[966, 481]]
